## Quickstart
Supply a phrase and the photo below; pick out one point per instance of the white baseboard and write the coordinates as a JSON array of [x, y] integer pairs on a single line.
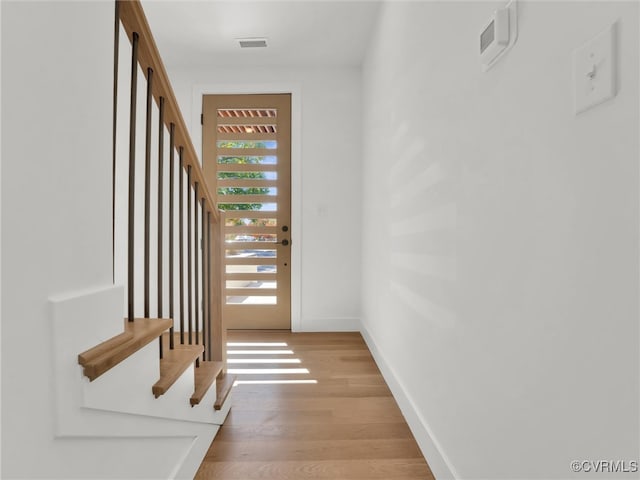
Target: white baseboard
[[430, 447]]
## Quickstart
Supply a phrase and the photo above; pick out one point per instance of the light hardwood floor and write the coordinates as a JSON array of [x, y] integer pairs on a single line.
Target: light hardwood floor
[[346, 426]]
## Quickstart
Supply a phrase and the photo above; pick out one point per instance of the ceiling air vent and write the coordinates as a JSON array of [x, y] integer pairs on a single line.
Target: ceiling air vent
[[252, 42]]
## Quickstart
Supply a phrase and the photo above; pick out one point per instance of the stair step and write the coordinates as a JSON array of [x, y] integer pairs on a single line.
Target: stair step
[[173, 364], [103, 348], [108, 354], [205, 375], [223, 389]]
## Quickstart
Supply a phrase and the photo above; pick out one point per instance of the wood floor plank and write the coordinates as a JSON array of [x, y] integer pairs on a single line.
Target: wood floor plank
[[383, 405], [342, 423], [332, 388], [267, 433], [396, 469], [282, 450]]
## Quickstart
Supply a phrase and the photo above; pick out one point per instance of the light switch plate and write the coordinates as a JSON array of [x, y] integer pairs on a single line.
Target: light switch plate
[[594, 66]]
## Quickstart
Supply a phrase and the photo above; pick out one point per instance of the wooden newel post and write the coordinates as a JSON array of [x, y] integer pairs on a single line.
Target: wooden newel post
[[218, 331]]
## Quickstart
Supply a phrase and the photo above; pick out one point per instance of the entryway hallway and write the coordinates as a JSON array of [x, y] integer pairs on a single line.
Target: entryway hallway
[[310, 405]]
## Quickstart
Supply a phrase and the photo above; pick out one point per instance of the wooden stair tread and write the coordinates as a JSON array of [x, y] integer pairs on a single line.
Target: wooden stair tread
[[104, 347], [223, 388], [108, 354], [173, 364], [205, 375]]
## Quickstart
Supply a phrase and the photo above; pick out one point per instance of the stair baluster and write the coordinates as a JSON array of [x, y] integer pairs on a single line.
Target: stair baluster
[[132, 176], [201, 316], [172, 148], [196, 248]]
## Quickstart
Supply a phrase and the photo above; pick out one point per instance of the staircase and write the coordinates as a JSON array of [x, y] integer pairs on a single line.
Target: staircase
[[161, 370]]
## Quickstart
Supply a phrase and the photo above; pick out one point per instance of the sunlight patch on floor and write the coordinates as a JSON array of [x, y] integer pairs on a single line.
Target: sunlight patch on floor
[[247, 361], [275, 382], [263, 360], [267, 371], [259, 352]]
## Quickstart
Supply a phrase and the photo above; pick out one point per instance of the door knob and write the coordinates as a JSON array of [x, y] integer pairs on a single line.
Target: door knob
[[285, 242]]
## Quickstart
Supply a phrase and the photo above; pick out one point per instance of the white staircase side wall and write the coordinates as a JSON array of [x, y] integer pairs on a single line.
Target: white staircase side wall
[[94, 315], [135, 376], [126, 388], [114, 458], [118, 408]]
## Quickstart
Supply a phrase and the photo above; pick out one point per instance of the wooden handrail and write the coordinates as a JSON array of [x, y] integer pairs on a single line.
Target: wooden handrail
[[134, 20]]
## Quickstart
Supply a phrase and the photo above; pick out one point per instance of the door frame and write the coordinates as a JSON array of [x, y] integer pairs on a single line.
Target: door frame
[[296, 167]]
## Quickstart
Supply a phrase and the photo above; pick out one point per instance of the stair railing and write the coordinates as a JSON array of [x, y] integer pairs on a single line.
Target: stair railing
[[193, 280]]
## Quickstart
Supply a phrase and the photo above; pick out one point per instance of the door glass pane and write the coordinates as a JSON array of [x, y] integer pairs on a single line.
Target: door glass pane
[[251, 284], [268, 144], [252, 300], [265, 207], [243, 160], [272, 191], [239, 252], [247, 128], [253, 222], [262, 237], [269, 175], [251, 269], [247, 112]]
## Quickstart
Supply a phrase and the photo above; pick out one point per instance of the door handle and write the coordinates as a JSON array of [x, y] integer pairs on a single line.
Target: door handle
[[284, 242]]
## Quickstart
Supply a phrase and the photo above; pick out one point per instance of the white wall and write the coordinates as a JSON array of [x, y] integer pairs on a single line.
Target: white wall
[[57, 74], [500, 239], [326, 179]]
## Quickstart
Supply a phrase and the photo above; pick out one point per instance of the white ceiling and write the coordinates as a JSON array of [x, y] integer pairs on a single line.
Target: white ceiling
[[299, 32]]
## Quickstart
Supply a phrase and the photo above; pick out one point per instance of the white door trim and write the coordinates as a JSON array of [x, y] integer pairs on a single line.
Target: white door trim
[[295, 89]]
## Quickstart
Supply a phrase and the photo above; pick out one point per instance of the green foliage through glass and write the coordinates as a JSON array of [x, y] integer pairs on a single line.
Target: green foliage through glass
[[241, 175]]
